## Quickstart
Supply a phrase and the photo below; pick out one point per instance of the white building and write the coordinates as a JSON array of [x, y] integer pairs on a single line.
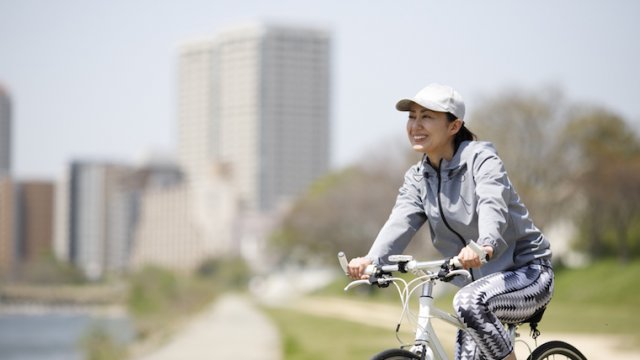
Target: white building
[[253, 118], [166, 234], [168, 231], [5, 133], [62, 217], [256, 98], [95, 217]]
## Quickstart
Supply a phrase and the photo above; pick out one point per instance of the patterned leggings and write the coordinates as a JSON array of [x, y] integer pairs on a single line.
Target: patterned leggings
[[511, 297]]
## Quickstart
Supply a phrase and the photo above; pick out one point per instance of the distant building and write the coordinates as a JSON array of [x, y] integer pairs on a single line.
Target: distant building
[[95, 219], [98, 209], [253, 114], [257, 99], [169, 233], [34, 219], [26, 224], [166, 234], [5, 133], [62, 217], [8, 244]]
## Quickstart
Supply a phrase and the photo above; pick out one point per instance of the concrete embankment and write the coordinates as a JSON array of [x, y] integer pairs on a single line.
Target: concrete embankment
[[63, 294]]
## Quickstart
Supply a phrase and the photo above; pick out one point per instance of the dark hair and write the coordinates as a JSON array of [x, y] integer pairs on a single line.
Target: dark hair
[[464, 134]]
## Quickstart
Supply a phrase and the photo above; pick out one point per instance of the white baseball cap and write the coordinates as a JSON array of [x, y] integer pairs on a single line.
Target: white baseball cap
[[436, 97]]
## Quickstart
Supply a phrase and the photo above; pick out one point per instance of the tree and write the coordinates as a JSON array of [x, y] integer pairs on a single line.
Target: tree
[[345, 210], [604, 155], [524, 127], [569, 162]]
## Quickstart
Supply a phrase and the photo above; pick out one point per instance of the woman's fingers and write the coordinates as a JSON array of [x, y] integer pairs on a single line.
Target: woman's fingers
[[357, 267], [468, 258]]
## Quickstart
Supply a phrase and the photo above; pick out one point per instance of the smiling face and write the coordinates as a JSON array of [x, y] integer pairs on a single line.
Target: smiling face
[[430, 132]]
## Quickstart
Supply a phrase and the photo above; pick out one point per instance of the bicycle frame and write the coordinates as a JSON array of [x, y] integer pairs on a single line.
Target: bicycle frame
[[426, 336]]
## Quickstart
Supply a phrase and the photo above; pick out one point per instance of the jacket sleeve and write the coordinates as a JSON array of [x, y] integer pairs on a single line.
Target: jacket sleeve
[[406, 218], [493, 190]]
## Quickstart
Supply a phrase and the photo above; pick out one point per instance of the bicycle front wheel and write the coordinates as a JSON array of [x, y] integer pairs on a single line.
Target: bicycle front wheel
[[556, 350], [395, 354]]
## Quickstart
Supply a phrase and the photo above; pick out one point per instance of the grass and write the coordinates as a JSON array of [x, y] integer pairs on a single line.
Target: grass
[[98, 344], [309, 337], [602, 298], [599, 299], [159, 298]]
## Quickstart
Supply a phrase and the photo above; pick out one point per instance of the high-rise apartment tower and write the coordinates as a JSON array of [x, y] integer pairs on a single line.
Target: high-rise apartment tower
[[254, 107]]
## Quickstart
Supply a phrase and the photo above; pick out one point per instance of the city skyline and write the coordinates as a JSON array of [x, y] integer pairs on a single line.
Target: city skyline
[[98, 81], [254, 134]]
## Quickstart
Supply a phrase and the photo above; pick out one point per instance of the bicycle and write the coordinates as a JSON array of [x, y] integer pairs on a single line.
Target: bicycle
[[427, 345]]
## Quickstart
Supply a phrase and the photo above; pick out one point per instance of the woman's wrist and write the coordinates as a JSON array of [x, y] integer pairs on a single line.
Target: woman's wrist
[[489, 250]]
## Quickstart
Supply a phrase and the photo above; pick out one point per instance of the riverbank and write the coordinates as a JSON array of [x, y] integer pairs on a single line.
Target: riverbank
[[38, 308], [85, 295]]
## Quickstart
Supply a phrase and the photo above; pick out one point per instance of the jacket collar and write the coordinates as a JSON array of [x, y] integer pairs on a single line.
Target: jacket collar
[[455, 163]]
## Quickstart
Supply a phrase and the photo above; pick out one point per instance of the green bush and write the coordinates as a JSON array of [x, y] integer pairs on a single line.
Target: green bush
[[159, 297], [228, 274], [47, 270], [98, 344], [152, 290]]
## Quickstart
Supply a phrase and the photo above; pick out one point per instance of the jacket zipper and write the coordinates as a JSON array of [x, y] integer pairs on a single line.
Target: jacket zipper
[[444, 219]]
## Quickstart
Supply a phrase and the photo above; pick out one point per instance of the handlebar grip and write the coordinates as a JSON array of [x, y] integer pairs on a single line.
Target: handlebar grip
[[480, 251], [342, 258], [370, 270]]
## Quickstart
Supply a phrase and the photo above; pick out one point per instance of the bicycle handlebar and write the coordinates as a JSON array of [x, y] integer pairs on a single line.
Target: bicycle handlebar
[[413, 265], [407, 263]]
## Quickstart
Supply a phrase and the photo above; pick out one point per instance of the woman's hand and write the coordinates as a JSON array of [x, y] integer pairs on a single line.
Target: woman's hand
[[469, 259], [357, 266]]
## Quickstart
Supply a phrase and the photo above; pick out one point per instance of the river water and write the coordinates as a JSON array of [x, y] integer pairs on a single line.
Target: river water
[[55, 334]]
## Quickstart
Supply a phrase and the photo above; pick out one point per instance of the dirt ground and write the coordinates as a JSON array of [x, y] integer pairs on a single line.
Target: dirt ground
[[593, 346]]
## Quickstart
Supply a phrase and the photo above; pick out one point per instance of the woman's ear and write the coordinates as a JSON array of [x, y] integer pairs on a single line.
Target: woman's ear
[[455, 126]]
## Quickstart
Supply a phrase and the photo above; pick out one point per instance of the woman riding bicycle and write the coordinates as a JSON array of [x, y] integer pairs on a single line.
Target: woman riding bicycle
[[460, 187]]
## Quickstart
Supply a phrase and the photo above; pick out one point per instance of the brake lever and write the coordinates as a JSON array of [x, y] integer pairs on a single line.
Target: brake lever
[[447, 267], [463, 272], [380, 279], [355, 283]]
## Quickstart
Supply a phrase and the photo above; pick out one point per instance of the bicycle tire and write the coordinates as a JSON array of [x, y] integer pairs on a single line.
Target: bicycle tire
[[395, 354], [549, 349]]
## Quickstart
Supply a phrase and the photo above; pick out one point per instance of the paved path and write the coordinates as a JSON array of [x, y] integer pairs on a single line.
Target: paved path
[[232, 328]]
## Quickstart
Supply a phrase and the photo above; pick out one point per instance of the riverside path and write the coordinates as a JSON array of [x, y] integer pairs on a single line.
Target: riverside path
[[232, 328]]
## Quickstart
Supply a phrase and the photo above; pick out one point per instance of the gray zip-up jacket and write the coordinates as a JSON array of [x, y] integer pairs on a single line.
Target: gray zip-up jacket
[[469, 199]]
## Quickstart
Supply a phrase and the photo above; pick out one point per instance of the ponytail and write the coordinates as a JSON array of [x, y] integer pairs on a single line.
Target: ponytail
[[464, 134]]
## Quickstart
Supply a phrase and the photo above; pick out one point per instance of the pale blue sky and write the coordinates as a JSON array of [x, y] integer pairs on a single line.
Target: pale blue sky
[[96, 79]]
